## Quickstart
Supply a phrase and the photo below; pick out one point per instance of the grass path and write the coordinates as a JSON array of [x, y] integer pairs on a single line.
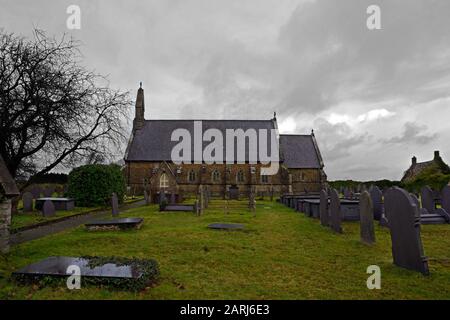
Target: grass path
[[281, 255]]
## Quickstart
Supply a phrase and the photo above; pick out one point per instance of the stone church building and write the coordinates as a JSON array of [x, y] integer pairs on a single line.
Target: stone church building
[[148, 161]]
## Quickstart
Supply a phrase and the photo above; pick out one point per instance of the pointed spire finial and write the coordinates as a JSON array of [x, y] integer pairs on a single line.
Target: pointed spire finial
[[312, 132], [140, 85], [274, 114]]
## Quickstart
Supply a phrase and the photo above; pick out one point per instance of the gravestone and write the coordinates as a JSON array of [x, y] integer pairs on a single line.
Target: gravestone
[[427, 199], [366, 212], [234, 193], [172, 198], [48, 209], [27, 199], [346, 193], [196, 208], [252, 201], [404, 225], [48, 192], [36, 191], [226, 226], [446, 199], [377, 202], [146, 198], [335, 212], [271, 194], [114, 205], [324, 216]]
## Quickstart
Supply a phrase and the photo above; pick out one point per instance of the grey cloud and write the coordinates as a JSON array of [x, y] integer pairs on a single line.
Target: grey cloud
[[413, 133]]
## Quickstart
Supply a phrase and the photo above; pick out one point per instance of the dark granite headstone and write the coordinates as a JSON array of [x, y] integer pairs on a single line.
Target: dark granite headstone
[[427, 199], [226, 226], [36, 191], [404, 225], [115, 224], [48, 209], [367, 232], [335, 212], [446, 198], [234, 193], [377, 202], [114, 205], [27, 199], [324, 215], [48, 192], [133, 273]]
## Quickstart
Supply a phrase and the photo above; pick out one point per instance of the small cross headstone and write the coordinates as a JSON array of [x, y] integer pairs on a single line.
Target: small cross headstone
[[377, 202], [48, 209], [114, 205], [426, 196], [324, 216], [367, 231], [335, 212], [27, 199], [404, 225]]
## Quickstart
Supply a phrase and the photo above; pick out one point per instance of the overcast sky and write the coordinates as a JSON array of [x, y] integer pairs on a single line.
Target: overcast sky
[[375, 98]]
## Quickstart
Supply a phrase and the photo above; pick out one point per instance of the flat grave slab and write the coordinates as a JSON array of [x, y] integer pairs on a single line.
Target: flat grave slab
[[226, 226], [121, 272], [59, 203], [179, 207], [115, 224]]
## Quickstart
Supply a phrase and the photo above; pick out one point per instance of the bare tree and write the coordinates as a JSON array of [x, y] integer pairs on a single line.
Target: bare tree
[[52, 110]]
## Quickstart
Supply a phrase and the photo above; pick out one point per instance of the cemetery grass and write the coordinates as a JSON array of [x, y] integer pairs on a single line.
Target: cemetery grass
[[25, 219], [281, 255]]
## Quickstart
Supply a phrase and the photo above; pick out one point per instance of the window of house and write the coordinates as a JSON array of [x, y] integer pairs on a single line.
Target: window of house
[[163, 181], [240, 176], [191, 176], [216, 176], [264, 178]]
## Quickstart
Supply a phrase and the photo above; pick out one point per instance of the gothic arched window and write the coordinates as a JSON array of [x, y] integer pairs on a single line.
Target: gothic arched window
[[215, 176], [191, 176], [163, 181], [240, 176]]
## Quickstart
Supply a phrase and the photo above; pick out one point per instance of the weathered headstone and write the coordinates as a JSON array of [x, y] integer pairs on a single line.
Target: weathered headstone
[[404, 225], [335, 212], [427, 199], [252, 201], [48, 192], [27, 200], [36, 191], [146, 198], [377, 201], [271, 194], [446, 198], [196, 208], [48, 209], [114, 205], [324, 215], [366, 212], [172, 198]]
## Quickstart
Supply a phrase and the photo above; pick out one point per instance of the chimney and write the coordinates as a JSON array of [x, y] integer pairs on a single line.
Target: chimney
[[414, 160], [138, 121], [436, 155]]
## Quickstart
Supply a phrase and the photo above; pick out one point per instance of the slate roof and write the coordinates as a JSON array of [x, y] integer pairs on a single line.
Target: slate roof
[[300, 151], [8, 186], [153, 141]]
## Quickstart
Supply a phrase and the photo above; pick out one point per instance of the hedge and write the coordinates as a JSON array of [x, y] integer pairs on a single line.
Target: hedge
[[93, 184]]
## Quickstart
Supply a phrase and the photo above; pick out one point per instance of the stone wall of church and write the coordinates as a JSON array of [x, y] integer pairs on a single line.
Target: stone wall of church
[[186, 178], [218, 178], [306, 180]]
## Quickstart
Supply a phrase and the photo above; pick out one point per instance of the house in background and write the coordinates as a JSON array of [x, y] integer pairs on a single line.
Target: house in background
[[437, 164], [148, 160]]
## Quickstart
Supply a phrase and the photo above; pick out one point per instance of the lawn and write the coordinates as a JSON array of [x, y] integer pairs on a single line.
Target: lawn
[[24, 219], [281, 255]]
